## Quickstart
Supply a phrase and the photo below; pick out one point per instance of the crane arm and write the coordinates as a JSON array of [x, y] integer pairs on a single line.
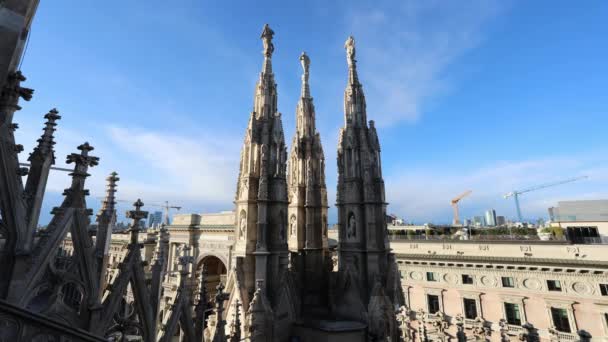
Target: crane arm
[[546, 185], [461, 196]]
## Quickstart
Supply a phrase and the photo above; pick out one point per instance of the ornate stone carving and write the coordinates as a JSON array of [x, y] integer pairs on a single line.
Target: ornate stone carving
[[451, 278], [349, 45], [581, 288], [532, 283], [489, 281], [351, 230]]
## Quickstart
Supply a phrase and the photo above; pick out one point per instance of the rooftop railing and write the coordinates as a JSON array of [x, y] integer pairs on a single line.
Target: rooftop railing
[[599, 240], [484, 237]]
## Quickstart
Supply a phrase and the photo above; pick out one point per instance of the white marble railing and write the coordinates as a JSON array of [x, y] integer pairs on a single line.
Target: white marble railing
[[562, 336], [469, 323], [514, 329]]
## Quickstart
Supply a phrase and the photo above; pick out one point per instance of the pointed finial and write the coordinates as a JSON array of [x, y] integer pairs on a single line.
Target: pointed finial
[[46, 141], [136, 215], [107, 206], [267, 34], [83, 160], [111, 187]]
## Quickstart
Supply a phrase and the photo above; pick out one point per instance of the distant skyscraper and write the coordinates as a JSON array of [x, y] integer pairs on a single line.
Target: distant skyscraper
[[501, 220], [491, 218], [478, 221], [155, 218]]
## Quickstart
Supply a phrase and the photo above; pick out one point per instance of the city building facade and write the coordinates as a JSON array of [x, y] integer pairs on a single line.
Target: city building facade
[[490, 218], [584, 221]]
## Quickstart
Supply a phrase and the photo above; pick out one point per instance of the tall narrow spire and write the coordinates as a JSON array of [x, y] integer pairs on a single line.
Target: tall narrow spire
[[308, 201], [12, 205], [261, 197], [364, 251], [106, 218], [41, 160], [354, 100]]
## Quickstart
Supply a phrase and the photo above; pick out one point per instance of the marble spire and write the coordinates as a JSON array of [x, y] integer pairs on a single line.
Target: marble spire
[[106, 218], [364, 252], [261, 197], [308, 200]]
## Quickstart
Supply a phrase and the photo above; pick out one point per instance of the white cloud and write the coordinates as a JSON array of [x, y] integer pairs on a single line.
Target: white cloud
[[425, 194], [406, 53], [181, 168]]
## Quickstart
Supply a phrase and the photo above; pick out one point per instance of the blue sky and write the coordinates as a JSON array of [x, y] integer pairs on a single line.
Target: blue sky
[[485, 95]]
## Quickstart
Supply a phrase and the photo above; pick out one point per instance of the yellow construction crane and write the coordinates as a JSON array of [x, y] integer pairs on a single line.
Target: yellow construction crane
[[454, 203]]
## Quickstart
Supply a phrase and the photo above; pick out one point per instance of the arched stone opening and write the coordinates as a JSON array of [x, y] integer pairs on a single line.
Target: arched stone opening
[[216, 273]]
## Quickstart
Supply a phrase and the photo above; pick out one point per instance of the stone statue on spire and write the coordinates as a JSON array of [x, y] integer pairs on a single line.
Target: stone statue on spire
[[266, 37], [305, 61], [349, 45]]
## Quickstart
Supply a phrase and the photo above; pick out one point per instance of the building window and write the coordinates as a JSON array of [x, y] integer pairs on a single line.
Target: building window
[[560, 319], [554, 285], [583, 234], [433, 303], [467, 279], [604, 289], [470, 308], [431, 276], [508, 282], [513, 314]]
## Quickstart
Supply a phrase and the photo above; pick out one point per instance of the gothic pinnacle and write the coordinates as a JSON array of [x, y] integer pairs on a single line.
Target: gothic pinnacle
[[109, 200], [46, 141], [82, 161], [136, 215]]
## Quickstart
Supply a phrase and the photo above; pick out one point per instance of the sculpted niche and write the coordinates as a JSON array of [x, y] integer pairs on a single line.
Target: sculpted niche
[[242, 223], [351, 228], [292, 225]]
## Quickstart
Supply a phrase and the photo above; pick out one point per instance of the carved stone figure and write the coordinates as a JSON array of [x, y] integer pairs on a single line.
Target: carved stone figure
[[349, 45], [292, 226], [267, 35], [305, 61], [242, 224], [351, 230]]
